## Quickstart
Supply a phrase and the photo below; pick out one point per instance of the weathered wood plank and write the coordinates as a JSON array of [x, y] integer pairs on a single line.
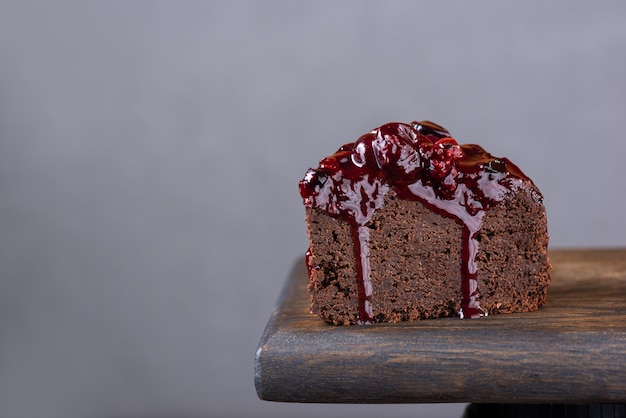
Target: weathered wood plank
[[573, 350]]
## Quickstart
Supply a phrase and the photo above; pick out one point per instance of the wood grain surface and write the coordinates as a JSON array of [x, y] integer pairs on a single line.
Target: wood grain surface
[[573, 350]]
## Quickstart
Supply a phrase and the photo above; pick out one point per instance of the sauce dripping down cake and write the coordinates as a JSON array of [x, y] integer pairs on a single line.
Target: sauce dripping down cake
[[405, 224]]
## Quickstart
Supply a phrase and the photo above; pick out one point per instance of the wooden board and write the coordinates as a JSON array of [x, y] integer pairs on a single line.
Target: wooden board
[[573, 350]]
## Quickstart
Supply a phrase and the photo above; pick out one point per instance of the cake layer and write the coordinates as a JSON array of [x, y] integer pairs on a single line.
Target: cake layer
[[415, 259]]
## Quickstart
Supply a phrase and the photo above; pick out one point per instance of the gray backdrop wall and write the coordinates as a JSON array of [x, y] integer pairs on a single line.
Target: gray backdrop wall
[[150, 154]]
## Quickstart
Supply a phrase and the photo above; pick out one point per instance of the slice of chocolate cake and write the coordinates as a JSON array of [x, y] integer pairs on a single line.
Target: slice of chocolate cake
[[406, 224]]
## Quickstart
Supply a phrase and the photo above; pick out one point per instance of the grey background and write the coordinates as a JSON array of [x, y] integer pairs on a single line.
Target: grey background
[[150, 154]]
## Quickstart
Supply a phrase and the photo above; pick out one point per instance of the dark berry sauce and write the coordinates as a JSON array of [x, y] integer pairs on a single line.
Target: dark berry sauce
[[420, 161]]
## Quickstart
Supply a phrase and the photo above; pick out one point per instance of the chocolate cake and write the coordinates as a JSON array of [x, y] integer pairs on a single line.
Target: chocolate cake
[[406, 224]]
